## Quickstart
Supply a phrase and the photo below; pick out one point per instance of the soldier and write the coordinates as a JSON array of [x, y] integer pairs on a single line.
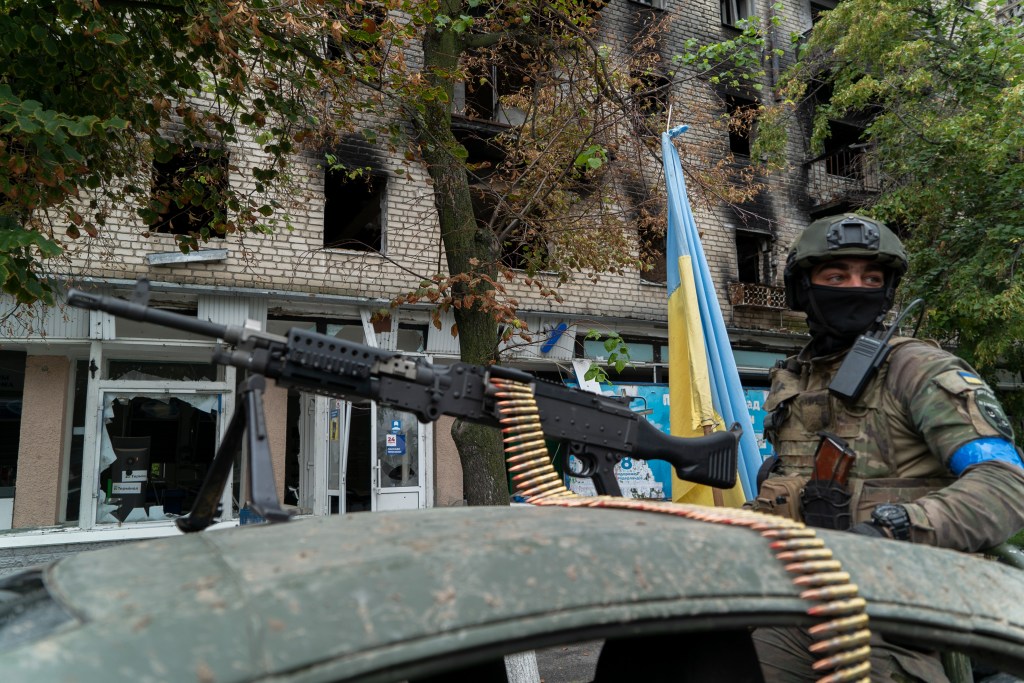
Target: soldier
[[934, 459]]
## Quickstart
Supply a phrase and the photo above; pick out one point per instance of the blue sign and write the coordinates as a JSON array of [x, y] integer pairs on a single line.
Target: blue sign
[[396, 426], [755, 406]]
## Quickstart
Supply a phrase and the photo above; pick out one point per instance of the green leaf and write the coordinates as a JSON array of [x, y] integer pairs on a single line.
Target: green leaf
[[83, 126]]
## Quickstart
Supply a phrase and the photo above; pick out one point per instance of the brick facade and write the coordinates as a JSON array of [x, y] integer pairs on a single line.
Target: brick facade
[[295, 263]]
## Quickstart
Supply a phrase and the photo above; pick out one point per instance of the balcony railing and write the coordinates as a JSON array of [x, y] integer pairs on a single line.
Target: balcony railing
[[1011, 11], [753, 295], [846, 174]]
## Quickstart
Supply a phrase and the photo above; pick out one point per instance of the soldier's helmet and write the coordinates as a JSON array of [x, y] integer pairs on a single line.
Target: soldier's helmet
[[843, 236]]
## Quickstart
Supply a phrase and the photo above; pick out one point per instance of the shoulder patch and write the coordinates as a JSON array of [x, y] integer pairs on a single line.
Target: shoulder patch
[[992, 411], [971, 378], [955, 383]]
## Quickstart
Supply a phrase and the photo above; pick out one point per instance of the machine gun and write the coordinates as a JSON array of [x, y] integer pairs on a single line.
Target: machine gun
[[598, 430]]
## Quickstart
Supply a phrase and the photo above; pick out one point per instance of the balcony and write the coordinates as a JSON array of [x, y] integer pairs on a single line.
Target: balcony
[[1011, 11], [844, 177], [752, 295]]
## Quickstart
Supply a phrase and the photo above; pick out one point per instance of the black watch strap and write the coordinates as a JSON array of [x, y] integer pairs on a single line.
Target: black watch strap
[[894, 518]]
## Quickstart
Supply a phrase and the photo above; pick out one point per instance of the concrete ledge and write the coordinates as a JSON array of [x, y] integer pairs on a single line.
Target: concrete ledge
[[173, 258]]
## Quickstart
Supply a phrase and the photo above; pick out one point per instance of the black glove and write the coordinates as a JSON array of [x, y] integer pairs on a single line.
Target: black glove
[[869, 529]]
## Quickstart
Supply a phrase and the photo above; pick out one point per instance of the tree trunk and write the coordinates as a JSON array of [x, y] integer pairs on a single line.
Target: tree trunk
[[467, 248]]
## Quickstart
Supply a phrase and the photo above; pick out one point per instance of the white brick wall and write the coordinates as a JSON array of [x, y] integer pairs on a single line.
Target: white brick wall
[[296, 261]]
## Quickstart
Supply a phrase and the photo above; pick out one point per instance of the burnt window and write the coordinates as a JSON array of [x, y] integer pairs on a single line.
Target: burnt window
[[361, 29], [733, 11], [523, 246], [490, 79], [742, 114], [844, 150], [753, 256], [653, 247], [189, 193], [354, 210], [525, 249], [651, 93], [819, 6]]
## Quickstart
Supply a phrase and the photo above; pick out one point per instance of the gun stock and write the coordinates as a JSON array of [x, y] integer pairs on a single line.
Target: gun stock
[[599, 430]]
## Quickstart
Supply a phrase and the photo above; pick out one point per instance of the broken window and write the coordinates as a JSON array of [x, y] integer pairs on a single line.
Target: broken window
[[742, 114], [155, 448], [753, 257], [651, 93], [354, 210], [844, 150], [188, 193], [488, 80]]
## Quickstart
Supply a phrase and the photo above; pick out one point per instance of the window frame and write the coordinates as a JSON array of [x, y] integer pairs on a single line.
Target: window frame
[[731, 12]]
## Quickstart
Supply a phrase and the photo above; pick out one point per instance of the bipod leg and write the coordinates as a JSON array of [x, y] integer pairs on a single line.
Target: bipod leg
[[205, 508], [262, 490]]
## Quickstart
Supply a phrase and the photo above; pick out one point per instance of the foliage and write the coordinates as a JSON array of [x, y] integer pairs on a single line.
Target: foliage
[[92, 93], [618, 356], [939, 85]]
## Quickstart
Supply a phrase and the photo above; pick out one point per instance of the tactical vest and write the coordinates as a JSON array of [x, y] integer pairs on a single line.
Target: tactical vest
[[893, 462]]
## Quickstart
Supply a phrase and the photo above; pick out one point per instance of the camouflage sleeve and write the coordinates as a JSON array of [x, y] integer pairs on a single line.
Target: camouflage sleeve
[[949, 405], [944, 400], [979, 510]]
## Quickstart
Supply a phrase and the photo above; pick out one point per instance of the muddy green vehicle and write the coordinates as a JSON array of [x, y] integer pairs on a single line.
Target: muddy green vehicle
[[442, 594]]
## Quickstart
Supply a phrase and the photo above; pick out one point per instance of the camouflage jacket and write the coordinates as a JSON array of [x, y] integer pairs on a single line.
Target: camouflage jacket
[[923, 404]]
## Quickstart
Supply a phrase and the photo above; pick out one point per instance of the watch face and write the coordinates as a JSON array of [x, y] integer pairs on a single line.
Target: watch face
[[889, 513], [894, 517]]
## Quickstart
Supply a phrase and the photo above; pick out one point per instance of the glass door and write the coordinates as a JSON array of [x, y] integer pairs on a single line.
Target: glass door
[[399, 458], [338, 426]]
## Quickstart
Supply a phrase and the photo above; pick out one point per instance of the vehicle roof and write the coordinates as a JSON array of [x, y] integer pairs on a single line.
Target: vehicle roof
[[361, 594]]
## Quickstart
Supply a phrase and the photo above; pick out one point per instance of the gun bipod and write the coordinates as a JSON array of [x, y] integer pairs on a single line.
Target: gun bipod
[[247, 422]]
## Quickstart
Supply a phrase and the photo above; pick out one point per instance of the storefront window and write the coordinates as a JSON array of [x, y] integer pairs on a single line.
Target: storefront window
[[154, 451]]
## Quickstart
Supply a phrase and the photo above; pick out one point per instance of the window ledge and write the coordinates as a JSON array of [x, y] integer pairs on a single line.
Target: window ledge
[[174, 258]]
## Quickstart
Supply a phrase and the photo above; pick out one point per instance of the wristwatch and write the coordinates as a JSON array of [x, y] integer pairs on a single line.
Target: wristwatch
[[894, 518]]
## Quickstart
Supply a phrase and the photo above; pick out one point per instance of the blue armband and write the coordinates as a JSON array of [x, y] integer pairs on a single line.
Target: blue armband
[[982, 450]]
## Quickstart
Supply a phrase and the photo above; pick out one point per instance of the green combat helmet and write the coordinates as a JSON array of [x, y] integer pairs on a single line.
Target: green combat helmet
[[842, 236]]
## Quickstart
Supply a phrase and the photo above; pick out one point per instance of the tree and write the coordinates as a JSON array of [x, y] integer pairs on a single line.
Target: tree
[[940, 86], [92, 91]]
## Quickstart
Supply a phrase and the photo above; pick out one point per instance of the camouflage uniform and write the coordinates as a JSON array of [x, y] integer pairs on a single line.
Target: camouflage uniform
[[923, 411], [923, 404]]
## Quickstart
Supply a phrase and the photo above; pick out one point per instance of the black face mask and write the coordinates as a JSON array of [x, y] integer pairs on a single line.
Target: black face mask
[[838, 315]]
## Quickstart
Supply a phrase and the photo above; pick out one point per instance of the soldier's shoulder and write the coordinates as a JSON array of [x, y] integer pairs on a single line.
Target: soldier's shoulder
[[913, 351], [914, 360]]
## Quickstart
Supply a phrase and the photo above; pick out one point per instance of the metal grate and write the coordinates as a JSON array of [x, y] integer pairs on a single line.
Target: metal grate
[[757, 296], [845, 174]]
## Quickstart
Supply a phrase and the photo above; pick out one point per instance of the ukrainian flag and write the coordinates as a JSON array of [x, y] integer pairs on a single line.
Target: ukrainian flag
[[705, 393]]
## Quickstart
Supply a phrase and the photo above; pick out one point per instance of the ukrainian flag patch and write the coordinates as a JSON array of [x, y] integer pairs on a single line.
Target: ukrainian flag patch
[[971, 379]]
